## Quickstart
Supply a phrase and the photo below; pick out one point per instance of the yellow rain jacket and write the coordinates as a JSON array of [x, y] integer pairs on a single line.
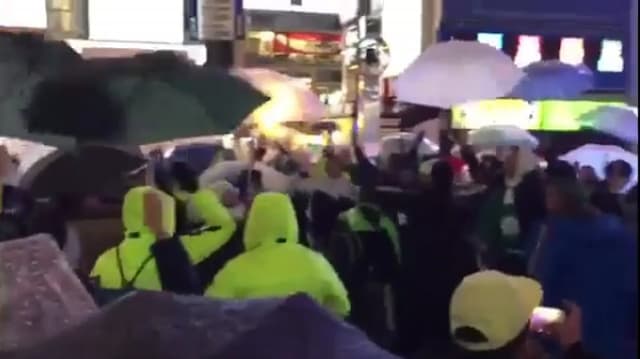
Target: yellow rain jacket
[[275, 264], [131, 263]]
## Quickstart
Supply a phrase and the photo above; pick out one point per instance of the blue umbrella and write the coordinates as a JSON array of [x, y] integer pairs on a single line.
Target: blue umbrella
[[553, 80]]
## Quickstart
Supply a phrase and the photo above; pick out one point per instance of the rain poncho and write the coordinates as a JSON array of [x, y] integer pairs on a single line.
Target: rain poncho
[[275, 264], [131, 264]]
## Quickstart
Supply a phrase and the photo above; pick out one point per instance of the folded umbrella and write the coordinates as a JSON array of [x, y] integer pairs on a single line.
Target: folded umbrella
[[86, 170], [454, 72], [553, 80], [621, 122], [502, 135]]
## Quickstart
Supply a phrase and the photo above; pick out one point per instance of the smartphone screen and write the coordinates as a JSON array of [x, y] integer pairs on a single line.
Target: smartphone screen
[[542, 317]]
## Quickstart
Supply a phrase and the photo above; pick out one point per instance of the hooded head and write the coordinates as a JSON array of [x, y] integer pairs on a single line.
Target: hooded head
[[271, 220], [133, 216]]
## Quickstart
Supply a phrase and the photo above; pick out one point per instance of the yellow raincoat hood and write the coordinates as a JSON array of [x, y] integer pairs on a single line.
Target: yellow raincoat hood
[[133, 211], [271, 220]]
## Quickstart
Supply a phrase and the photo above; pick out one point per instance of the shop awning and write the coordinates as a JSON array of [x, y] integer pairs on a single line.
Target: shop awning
[[289, 21]]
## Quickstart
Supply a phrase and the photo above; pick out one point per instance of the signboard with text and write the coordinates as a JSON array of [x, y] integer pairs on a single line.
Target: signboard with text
[[220, 20]]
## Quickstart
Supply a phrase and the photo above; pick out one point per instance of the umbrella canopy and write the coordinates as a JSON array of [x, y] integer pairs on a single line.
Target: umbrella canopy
[[289, 100], [502, 135], [553, 80], [621, 122], [87, 170], [598, 156], [150, 99], [162, 326], [26, 59], [230, 171], [455, 72], [401, 142], [41, 295]]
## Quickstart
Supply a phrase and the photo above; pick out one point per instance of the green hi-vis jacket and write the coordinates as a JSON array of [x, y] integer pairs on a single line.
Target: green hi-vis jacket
[[274, 264], [135, 260], [357, 223]]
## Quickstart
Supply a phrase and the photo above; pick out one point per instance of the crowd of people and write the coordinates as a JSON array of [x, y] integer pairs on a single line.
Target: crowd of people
[[440, 256]]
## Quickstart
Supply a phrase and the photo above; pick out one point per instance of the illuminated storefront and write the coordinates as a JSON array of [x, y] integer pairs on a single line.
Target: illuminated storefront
[[300, 44], [596, 33]]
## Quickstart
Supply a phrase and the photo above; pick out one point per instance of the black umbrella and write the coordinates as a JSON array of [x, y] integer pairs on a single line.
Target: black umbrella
[[87, 170], [27, 56], [150, 98]]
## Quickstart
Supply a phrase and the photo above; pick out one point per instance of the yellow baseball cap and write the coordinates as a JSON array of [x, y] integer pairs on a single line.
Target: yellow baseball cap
[[495, 304]]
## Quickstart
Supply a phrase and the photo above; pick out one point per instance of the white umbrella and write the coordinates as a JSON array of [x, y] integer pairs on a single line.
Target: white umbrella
[[598, 156], [401, 142], [455, 72], [502, 135], [289, 100], [618, 121], [230, 171]]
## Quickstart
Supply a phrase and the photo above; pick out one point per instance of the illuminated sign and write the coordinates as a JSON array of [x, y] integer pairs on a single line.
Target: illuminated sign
[[528, 50], [23, 14], [492, 39], [402, 31], [306, 43], [572, 51], [604, 56], [137, 21], [611, 59], [536, 116], [479, 114]]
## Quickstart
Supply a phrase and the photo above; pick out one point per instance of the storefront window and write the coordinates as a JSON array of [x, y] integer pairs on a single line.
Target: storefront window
[[307, 48]]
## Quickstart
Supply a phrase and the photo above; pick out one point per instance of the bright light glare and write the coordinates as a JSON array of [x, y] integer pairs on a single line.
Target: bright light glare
[[23, 13], [492, 39], [528, 50], [141, 20], [611, 59], [402, 31], [572, 51]]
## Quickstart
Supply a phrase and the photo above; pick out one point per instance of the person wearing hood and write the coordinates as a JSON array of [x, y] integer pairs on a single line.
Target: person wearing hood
[[510, 210], [132, 264], [589, 258], [274, 264]]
